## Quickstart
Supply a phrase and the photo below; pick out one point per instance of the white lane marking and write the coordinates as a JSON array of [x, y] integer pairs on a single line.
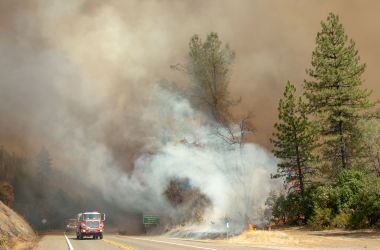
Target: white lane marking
[[190, 239], [172, 243], [69, 243]]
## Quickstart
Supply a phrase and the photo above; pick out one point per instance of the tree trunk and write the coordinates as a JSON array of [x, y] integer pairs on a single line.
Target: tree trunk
[[343, 150], [378, 164], [299, 167], [300, 174]]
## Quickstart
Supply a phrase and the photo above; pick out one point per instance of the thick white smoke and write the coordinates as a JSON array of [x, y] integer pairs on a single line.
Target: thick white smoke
[[182, 143], [76, 77]]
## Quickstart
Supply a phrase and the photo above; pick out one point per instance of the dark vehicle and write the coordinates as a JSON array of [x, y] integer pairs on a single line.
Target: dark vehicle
[[90, 224]]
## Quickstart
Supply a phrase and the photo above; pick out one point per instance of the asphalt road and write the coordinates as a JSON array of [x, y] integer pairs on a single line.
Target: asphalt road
[[115, 242]]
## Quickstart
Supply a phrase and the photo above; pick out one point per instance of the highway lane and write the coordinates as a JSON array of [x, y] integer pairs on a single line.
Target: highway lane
[[114, 242], [159, 242], [90, 244], [57, 242]]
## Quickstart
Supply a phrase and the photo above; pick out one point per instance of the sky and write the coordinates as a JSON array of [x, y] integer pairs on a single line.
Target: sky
[[92, 65]]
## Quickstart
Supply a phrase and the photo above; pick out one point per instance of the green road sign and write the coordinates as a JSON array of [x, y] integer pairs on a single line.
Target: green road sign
[[151, 219]]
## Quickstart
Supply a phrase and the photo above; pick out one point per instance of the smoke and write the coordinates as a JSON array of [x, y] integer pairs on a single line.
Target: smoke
[[80, 78], [180, 143], [185, 145]]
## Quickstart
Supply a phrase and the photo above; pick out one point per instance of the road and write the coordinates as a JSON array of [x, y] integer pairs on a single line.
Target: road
[[116, 242]]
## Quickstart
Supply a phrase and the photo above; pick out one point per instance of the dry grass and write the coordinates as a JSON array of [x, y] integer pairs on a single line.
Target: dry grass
[[23, 245], [303, 238], [17, 232]]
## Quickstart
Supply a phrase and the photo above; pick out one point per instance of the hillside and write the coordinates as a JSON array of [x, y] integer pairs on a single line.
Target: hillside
[[15, 232]]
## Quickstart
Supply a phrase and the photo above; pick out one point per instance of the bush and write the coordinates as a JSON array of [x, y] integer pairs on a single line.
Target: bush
[[342, 220], [349, 187], [279, 208], [352, 201], [6, 193], [321, 219], [367, 206], [286, 208], [3, 240], [192, 202], [322, 197]]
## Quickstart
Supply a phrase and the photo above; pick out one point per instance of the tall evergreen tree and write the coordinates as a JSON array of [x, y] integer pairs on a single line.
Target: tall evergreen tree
[[335, 94], [294, 140], [210, 67], [44, 164]]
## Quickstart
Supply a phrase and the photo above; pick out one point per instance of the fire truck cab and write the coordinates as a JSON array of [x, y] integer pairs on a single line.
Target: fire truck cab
[[90, 224]]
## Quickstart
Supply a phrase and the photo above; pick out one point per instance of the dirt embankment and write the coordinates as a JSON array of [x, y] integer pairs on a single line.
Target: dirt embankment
[[15, 232], [301, 238]]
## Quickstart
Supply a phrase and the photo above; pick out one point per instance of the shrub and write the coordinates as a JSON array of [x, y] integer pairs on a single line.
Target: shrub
[[6, 193], [3, 240], [367, 206], [321, 218], [349, 187], [342, 220], [279, 208], [322, 197], [189, 199], [351, 201], [287, 208]]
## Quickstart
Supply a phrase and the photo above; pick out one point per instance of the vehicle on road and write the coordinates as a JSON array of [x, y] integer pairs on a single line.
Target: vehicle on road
[[71, 225], [90, 224]]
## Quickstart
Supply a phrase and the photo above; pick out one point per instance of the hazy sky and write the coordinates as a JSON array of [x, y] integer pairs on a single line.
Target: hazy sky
[[90, 65]]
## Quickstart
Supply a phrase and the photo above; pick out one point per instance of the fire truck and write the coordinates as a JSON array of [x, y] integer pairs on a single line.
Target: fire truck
[[90, 224]]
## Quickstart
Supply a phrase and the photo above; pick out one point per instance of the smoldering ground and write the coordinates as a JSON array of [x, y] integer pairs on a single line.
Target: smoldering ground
[[79, 77]]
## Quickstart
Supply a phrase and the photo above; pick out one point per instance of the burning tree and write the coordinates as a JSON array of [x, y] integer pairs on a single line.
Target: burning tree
[[209, 67], [181, 194]]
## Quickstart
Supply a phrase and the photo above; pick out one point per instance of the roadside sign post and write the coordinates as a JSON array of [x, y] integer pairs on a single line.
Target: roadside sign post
[[227, 221], [150, 221], [228, 226]]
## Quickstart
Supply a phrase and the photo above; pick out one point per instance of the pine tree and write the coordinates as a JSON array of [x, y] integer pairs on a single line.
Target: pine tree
[[210, 67], [294, 141], [44, 164], [335, 94]]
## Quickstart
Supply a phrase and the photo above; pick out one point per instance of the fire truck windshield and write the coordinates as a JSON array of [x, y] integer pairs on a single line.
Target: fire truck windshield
[[91, 216]]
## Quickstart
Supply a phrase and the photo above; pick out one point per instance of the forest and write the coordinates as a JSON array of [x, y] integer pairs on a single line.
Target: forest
[[327, 140]]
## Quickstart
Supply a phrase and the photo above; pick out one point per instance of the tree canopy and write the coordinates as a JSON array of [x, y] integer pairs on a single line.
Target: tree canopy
[[335, 95]]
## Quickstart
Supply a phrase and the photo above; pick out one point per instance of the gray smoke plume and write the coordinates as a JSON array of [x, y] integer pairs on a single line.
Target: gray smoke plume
[[180, 143], [79, 77]]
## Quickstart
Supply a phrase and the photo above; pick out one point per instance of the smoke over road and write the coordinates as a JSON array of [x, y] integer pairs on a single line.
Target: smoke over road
[[80, 77], [181, 143]]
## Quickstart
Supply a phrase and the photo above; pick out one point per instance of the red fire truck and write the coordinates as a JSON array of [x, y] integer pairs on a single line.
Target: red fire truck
[[90, 224]]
